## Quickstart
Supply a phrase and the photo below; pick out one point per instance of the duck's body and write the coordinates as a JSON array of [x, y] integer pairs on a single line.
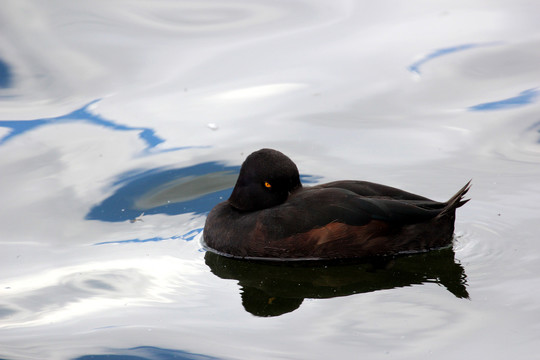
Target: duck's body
[[271, 216]]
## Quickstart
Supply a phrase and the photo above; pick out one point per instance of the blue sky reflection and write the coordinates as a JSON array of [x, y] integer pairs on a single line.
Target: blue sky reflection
[[123, 204], [148, 352], [190, 235], [5, 75], [148, 135], [415, 67], [523, 98]]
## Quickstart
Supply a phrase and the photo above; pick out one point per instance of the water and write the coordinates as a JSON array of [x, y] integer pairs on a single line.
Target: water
[[122, 124]]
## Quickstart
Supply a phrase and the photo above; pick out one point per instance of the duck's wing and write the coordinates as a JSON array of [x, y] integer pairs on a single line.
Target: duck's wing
[[378, 191], [319, 207], [322, 205], [369, 189]]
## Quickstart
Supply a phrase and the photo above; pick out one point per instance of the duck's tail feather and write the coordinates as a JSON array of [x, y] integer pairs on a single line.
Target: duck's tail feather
[[456, 200]]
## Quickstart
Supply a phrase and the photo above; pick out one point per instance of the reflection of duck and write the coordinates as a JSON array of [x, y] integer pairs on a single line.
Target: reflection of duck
[[270, 215], [275, 288]]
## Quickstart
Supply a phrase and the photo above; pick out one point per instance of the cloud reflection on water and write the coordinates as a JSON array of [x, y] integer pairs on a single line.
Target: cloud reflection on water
[[74, 291]]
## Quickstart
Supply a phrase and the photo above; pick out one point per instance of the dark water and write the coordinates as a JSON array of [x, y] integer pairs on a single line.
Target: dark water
[[123, 124]]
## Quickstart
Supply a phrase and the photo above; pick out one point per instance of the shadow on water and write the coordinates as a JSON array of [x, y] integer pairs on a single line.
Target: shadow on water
[[276, 288]]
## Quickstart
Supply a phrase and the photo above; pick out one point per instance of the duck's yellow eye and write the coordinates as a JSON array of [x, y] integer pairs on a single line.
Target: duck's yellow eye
[[267, 185]]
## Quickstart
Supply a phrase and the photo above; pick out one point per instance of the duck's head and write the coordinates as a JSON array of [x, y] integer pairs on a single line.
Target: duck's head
[[266, 179]]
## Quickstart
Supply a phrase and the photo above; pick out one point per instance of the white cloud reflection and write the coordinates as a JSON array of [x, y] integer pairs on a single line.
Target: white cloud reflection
[[67, 293], [258, 92]]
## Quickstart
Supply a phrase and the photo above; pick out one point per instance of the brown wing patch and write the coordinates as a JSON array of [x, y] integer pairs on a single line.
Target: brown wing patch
[[330, 232], [337, 231], [338, 239]]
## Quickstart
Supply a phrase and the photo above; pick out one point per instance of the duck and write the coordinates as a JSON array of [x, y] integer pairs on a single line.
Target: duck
[[270, 215]]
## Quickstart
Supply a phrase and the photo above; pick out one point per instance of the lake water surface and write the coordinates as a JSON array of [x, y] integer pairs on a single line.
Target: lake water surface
[[123, 123]]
